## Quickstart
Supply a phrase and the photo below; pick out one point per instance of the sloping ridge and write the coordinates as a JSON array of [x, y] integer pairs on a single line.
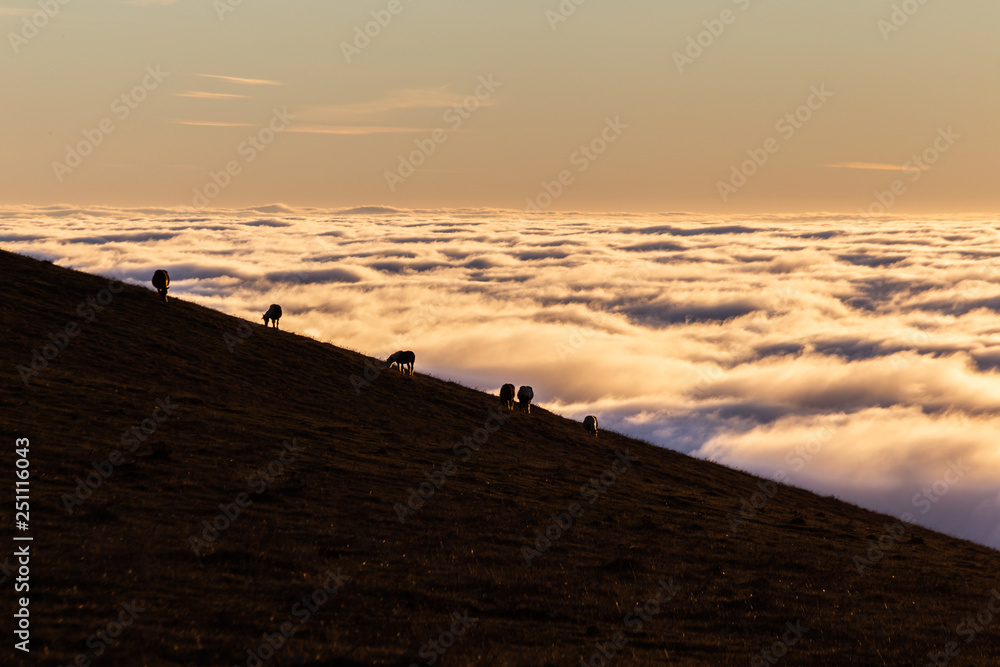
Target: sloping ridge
[[324, 463]]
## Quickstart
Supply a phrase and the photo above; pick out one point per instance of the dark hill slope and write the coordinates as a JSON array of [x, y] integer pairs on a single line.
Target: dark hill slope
[[330, 509]]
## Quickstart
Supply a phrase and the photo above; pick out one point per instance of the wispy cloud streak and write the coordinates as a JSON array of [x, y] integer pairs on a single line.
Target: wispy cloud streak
[[876, 166], [197, 94], [242, 81]]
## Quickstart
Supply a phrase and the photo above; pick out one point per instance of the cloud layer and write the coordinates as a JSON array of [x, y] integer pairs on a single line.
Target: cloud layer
[[856, 358]]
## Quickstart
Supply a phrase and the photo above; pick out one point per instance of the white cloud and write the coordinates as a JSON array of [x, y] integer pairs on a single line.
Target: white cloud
[[354, 129], [737, 340], [411, 98], [876, 166], [198, 94], [242, 81], [211, 123]]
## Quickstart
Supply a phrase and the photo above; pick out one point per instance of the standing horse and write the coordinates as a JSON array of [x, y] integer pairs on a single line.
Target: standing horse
[[507, 396], [524, 396], [274, 314], [402, 359], [161, 281]]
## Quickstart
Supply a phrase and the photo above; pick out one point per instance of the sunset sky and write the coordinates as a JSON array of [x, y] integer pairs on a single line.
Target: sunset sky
[[199, 78]]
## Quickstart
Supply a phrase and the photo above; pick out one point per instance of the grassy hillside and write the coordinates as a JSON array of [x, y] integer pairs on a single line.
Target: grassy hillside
[[185, 409]]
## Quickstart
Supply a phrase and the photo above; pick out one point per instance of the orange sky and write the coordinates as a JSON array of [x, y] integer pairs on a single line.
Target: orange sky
[[709, 106]]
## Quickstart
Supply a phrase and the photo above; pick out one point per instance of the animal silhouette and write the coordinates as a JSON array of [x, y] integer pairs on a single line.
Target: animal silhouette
[[507, 396], [273, 314], [402, 359], [161, 281], [524, 396]]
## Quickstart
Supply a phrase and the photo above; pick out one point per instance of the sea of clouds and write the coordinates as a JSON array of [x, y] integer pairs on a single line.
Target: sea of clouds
[[856, 358]]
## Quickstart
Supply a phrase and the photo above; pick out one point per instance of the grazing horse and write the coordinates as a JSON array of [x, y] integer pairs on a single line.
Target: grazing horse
[[402, 359], [161, 281], [507, 396], [590, 423], [524, 396], [274, 314]]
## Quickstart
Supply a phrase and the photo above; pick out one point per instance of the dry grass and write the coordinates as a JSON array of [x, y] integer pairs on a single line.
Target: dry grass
[[331, 509]]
